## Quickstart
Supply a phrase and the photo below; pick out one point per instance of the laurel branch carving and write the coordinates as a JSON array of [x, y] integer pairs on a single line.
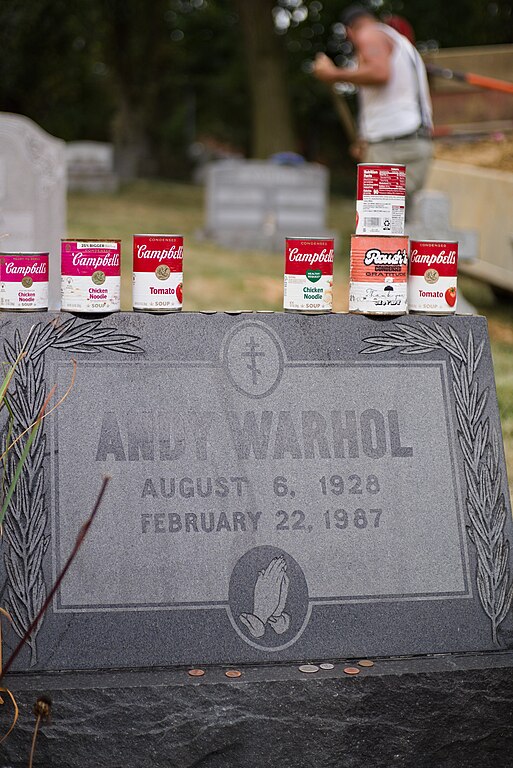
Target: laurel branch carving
[[25, 525], [479, 443]]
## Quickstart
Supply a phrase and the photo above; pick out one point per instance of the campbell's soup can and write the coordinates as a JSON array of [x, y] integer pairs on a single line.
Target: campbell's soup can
[[91, 275], [378, 275], [433, 276], [308, 283], [24, 281], [158, 273], [380, 199]]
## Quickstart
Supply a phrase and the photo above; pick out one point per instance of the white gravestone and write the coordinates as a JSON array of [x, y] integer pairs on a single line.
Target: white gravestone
[[32, 192]]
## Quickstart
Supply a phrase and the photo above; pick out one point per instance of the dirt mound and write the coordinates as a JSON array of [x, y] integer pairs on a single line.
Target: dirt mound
[[494, 152]]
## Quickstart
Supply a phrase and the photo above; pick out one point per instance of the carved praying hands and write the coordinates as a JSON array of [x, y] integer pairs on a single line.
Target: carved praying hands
[[269, 600]]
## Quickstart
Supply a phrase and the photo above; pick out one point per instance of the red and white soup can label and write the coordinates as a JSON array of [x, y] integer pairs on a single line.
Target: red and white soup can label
[[433, 276], [24, 281], [380, 199], [308, 283], [158, 273], [91, 275], [378, 275]]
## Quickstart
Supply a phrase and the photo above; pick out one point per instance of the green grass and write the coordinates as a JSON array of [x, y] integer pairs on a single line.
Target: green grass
[[216, 278]]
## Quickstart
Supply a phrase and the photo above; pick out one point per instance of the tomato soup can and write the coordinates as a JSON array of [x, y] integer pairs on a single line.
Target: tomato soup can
[[378, 275], [308, 283], [91, 275], [380, 199], [24, 281], [158, 273], [433, 276]]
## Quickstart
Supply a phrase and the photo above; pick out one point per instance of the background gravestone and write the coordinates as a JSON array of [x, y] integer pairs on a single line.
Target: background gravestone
[[32, 192], [90, 166], [256, 203], [283, 488], [431, 220]]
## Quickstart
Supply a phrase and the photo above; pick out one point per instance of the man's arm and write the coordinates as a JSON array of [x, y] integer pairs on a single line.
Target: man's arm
[[374, 54]]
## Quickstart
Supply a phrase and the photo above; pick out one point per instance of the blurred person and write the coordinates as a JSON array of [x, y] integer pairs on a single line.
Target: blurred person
[[395, 113]]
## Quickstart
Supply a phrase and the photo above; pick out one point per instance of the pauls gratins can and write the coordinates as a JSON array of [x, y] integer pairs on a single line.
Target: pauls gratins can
[[91, 275], [24, 281], [158, 273], [308, 283], [380, 199], [433, 275], [378, 275]]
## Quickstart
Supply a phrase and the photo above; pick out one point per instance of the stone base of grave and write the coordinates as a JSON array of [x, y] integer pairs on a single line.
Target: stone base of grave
[[445, 711]]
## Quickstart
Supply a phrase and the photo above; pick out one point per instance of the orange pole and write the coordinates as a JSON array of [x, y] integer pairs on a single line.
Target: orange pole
[[489, 82]]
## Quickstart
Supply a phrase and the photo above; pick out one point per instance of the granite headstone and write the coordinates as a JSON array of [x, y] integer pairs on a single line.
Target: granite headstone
[[284, 487], [32, 192]]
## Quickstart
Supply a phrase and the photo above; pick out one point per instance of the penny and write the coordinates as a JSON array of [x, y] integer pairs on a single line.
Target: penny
[[233, 673], [196, 672], [326, 665], [27, 282], [365, 663], [308, 668], [351, 670]]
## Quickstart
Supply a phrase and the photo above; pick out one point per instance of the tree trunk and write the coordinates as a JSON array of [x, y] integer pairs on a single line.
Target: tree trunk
[[133, 151], [272, 129]]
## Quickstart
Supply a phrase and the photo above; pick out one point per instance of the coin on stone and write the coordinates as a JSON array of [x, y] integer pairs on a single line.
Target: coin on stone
[[196, 672], [98, 277], [326, 665], [351, 670], [162, 272], [27, 282], [365, 663], [233, 673], [308, 668]]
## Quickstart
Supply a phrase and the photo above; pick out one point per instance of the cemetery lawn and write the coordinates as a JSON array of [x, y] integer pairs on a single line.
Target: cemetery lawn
[[231, 280]]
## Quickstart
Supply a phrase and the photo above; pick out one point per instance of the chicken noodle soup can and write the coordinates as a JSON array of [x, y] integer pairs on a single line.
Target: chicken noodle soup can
[[433, 275], [158, 273], [24, 281], [378, 275], [380, 199], [91, 275], [308, 283]]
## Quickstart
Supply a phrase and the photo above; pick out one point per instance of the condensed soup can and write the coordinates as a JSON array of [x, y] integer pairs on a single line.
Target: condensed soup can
[[433, 276], [24, 281], [380, 199], [158, 273], [378, 275], [308, 283], [91, 275]]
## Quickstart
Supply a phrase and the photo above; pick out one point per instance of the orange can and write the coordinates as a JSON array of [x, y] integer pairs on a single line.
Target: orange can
[[378, 275]]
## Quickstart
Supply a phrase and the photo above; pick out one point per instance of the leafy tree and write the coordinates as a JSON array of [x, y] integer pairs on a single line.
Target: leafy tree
[[155, 76]]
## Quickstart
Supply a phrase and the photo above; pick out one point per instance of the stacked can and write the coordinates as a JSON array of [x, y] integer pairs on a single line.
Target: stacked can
[[157, 273], [379, 249], [91, 275], [308, 282], [433, 275], [24, 281]]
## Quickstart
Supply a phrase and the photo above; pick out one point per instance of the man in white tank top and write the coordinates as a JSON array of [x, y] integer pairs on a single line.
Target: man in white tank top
[[395, 106]]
